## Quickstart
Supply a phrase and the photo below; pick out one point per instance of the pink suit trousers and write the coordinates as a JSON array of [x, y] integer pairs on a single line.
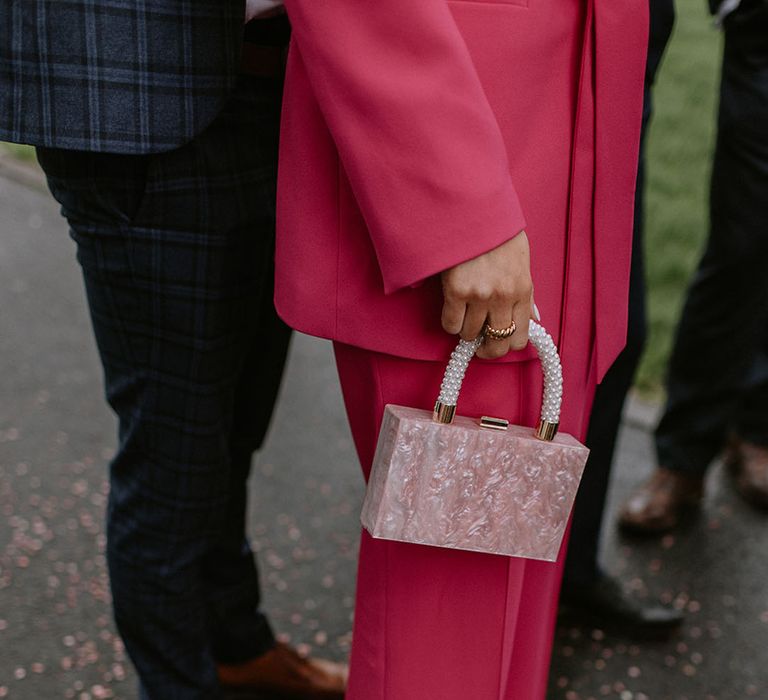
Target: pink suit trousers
[[440, 623]]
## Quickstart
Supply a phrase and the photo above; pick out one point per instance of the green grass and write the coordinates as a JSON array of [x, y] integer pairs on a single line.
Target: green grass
[[25, 153], [679, 149]]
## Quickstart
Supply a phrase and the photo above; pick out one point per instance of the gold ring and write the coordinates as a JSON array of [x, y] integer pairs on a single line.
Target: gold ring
[[499, 334]]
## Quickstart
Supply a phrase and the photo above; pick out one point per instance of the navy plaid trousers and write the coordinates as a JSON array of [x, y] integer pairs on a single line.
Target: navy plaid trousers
[[177, 251]]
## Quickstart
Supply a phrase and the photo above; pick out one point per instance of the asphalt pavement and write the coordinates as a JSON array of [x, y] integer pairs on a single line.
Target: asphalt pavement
[[57, 638]]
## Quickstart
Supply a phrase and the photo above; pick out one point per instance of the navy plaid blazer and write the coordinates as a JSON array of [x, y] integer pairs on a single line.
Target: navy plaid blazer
[[123, 76]]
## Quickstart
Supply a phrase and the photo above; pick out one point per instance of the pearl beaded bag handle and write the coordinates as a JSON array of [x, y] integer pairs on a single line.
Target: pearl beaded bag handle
[[445, 407], [468, 487]]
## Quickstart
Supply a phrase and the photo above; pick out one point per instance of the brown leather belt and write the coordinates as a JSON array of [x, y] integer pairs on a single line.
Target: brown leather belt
[[263, 61]]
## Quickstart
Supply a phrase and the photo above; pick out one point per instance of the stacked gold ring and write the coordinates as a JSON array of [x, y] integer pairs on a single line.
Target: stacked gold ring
[[499, 333]]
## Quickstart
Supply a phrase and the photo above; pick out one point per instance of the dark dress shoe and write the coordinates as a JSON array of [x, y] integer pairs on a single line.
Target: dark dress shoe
[[748, 464], [604, 604], [659, 504], [284, 673]]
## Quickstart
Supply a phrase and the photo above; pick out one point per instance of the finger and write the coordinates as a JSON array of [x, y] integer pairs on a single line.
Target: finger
[[499, 317], [474, 320], [453, 315], [535, 315], [521, 315]]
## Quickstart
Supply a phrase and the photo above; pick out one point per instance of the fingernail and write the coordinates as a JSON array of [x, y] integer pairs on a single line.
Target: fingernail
[[536, 313]]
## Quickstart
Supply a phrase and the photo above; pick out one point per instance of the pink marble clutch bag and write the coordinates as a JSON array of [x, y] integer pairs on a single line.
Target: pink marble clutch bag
[[479, 485]]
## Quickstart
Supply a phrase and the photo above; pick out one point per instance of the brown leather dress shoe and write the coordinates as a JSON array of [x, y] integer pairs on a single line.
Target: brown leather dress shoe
[[285, 672], [658, 504], [748, 464]]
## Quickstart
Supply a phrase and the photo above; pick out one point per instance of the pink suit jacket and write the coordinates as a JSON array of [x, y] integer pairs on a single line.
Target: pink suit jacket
[[418, 134]]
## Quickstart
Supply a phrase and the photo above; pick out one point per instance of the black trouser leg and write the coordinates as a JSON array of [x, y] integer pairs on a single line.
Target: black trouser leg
[[176, 250], [717, 376], [581, 566]]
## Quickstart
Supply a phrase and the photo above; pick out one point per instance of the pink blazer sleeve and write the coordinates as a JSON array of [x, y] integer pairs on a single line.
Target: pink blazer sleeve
[[413, 128]]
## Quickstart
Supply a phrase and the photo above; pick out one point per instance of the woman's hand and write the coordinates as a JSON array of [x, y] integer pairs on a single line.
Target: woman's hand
[[495, 287]]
